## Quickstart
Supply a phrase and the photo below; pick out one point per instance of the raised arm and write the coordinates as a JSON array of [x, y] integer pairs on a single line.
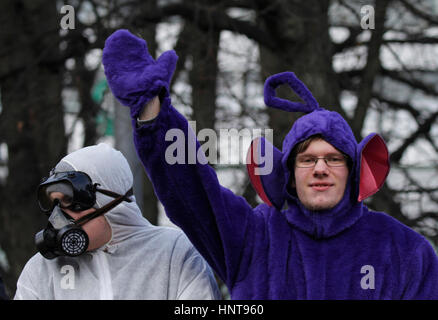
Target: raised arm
[[219, 223]]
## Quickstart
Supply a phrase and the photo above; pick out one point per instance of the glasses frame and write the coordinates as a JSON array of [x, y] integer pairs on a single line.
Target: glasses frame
[[316, 159]]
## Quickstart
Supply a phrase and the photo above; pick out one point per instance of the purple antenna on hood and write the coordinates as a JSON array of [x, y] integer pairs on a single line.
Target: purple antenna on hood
[[271, 100]]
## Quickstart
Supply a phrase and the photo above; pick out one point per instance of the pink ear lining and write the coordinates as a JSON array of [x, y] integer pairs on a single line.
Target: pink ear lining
[[374, 167], [251, 166]]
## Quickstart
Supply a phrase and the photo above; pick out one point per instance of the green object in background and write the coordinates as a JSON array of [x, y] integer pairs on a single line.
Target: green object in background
[[105, 123], [103, 119], [98, 91], [109, 131]]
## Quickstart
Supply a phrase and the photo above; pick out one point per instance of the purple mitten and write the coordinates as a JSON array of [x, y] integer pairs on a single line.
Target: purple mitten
[[133, 75]]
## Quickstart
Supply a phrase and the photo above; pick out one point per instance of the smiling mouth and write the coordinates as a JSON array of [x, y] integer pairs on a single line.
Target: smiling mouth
[[321, 186]]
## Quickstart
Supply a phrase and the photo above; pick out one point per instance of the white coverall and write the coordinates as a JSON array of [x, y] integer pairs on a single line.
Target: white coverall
[[141, 261]]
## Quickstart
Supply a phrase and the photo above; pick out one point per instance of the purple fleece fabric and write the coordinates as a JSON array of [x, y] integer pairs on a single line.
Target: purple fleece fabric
[[348, 252]]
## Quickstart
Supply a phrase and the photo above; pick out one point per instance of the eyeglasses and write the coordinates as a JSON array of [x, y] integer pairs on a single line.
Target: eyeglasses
[[331, 161]]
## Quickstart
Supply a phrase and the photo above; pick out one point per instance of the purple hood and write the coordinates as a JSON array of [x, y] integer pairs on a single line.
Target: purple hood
[[370, 162]]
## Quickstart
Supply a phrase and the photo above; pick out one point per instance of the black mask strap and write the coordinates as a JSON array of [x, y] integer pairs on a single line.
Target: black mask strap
[[119, 199]]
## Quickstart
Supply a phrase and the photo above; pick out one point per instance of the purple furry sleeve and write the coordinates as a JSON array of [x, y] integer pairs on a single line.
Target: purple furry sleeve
[[216, 221]]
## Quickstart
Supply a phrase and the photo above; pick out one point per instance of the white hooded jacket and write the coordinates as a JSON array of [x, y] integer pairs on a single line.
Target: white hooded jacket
[[141, 261]]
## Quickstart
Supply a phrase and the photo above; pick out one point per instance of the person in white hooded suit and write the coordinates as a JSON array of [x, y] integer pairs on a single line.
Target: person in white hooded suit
[[127, 257]]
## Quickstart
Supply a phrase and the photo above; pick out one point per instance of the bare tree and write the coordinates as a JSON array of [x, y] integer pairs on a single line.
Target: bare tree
[[376, 79], [31, 121]]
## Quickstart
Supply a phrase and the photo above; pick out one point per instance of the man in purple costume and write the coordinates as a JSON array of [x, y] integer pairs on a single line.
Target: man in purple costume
[[313, 238]]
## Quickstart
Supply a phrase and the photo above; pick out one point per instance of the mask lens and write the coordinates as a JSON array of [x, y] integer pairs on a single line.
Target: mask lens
[[72, 189], [43, 200], [49, 195]]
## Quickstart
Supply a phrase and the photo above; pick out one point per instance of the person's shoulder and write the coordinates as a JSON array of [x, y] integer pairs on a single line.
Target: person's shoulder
[[36, 260], [380, 218], [167, 236], [167, 231], [37, 266], [263, 210], [389, 226], [175, 241], [268, 215]]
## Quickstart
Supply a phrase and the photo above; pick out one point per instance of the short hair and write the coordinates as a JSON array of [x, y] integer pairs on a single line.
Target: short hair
[[303, 145]]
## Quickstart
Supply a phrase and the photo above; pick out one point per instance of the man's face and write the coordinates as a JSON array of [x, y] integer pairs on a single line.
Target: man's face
[[97, 229], [320, 187]]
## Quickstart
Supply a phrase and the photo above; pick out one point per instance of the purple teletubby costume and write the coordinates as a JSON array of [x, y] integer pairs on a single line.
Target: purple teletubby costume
[[280, 249]]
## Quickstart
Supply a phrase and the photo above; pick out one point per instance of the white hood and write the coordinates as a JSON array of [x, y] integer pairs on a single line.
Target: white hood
[[115, 175], [141, 261]]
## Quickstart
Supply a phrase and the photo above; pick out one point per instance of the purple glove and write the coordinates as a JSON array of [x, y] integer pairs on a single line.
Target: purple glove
[[132, 74]]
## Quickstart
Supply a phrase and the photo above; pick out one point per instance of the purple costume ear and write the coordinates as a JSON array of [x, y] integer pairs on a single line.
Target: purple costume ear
[[374, 165], [297, 86], [265, 171]]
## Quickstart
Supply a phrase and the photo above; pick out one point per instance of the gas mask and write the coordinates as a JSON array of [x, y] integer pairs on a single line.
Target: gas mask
[[64, 236]]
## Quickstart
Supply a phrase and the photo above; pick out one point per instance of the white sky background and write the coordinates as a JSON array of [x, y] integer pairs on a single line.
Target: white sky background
[[239, 54]]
